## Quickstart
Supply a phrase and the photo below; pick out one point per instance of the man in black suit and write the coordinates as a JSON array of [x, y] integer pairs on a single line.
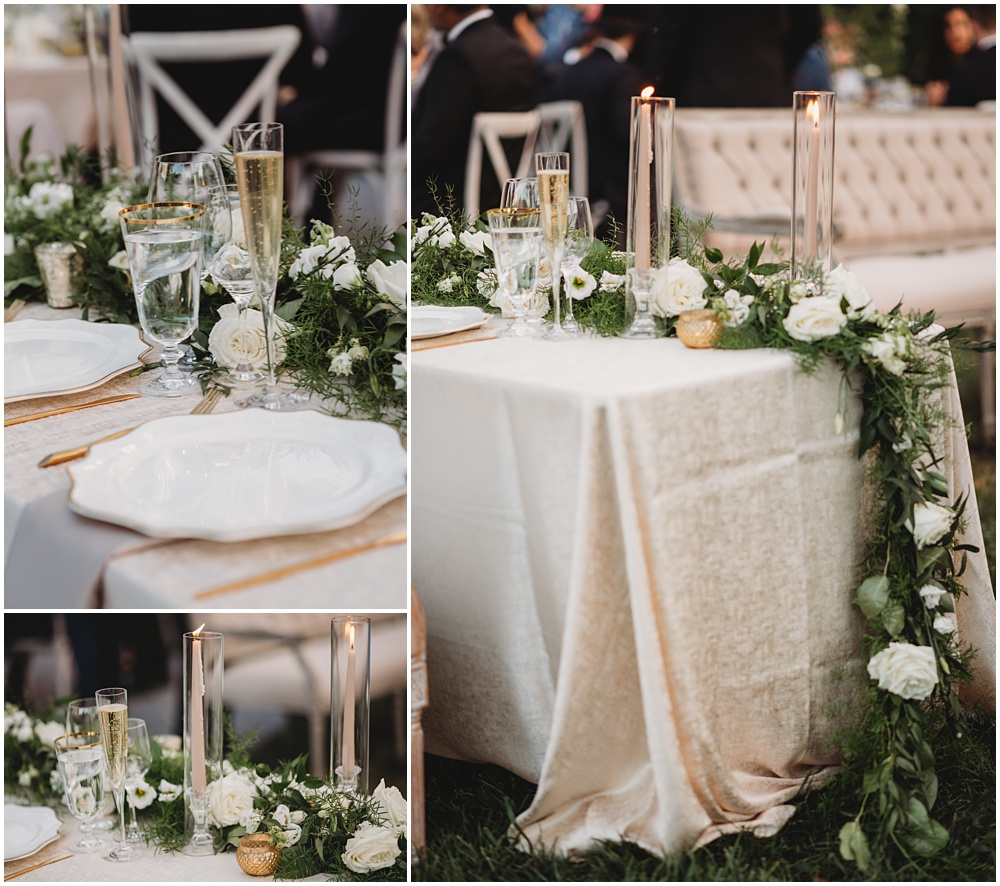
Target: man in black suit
[[975, 78], [481, 67], [604, 80]]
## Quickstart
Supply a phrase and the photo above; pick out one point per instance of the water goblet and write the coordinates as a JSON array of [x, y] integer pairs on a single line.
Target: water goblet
[[163, 242], [520, 193], [642, 281], [552, 172], [82, 716], [112, 705], [517, 240], [139, 759], [579, 241], [80, 759]]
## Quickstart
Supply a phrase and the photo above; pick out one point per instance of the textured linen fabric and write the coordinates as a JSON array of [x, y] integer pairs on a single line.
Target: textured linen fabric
[[637, 563]]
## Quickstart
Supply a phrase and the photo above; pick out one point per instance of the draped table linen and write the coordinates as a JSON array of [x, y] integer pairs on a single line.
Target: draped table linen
[[637, 563]]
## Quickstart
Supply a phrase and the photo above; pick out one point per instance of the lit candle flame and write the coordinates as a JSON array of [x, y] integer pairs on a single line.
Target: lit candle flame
[[350, 629], [197, 632], [812, 111], [647, 92]]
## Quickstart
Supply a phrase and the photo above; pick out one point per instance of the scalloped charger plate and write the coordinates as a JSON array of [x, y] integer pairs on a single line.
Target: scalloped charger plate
[[241, 476], [45, 358], [430, 321], [26, 829]]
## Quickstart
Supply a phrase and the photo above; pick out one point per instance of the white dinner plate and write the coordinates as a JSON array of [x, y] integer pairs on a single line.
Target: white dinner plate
[[26, 829], [43, 358], [428, 321], [242, 475]]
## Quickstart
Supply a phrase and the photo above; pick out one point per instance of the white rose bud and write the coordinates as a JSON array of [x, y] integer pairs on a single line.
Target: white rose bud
[[371, 849], [905, 670], [931, 522], [814, 318]]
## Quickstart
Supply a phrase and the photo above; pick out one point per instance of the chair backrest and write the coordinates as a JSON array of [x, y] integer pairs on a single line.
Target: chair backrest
[[148, 50], [564, 128], [488, 128]]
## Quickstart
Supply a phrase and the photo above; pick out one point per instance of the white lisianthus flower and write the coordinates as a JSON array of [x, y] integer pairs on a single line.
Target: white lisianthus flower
[[288, 831], [399, 372], [307, 261], [890, 350], [931, 522], [814, 318], [448, 283], [47, 733], [390, 280], [931, 595], [679, 287], [435, 231], [169, 792], [579, 284], [371, 849], [338, 249], [610, 282], [843, 284], [905, 670], [476, 241], [250, 820], [229, 799], [232, 342], [738, 307], [46, 199], [392, 806], [142, 794], [347, 276], [945, 624]]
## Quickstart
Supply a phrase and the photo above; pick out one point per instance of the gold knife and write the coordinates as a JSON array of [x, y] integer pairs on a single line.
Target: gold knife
[[393, 539], [449, 344], [13, 309], [35, 867], [49, 412]]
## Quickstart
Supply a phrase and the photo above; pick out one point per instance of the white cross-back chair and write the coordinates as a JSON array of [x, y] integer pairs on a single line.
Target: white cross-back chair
[[148, 51], [488, 129], [563, 128], [385, 169]]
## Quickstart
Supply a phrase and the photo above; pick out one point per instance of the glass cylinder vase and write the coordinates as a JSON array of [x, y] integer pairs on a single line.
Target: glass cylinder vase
[[202, 733], [350, 675], [812, 183], [649, 193]]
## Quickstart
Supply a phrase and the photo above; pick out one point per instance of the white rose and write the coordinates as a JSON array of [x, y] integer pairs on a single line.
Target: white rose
[[844, 284], [905, 670], [610, 282], [391, 804], [307, 261], [347, 276], [390, 280], [232, 342], [814, 318], [338, 249], [371, 849], [399, 372], [169, 792], [230, 798], [738, 307], [931, 522], [142, 794], [475, 241], [47, 733], [931, 595], [944, 624], [680, 287], [579, 284]]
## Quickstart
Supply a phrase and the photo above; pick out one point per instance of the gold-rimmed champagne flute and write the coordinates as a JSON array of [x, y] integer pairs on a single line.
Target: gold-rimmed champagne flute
[[258, 149], [552, 172], [112, 705]]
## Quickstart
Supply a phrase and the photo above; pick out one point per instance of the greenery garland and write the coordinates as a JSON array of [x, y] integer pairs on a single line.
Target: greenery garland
[[914, 559]]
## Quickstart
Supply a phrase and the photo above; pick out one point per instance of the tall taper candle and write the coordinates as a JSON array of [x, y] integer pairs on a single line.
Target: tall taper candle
[[812, 183], [197, 715], [349, 694], [645, 160]]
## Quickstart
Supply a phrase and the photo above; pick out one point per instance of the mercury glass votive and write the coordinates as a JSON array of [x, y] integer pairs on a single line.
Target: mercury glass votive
[[699, 329], [257, 855], [61, 268]]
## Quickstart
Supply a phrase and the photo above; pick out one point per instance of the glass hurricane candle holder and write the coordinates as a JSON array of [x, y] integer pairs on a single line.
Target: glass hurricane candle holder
[[350, 670], [812, 183]]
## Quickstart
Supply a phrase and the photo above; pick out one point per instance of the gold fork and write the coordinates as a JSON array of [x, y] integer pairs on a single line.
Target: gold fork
[[206, 405], [13, 309]]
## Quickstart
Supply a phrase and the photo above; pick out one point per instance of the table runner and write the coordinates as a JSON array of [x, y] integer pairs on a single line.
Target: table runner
[[644, 600]]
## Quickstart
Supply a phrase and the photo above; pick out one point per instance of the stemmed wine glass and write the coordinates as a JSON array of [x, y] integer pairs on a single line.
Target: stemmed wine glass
[[231, 270], [552, 172], [163, 242], [579, 241], [82, 716], [259, 152], [139, 759], [520, 193], [80, 759], [517, 241], [112, 705]]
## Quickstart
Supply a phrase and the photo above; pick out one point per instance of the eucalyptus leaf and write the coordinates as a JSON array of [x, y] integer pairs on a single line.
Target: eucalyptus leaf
[[873, 595], [854, 845]]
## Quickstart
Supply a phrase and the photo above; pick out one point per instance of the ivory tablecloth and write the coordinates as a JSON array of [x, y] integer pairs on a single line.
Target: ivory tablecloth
[[148, 573], [637, 563]]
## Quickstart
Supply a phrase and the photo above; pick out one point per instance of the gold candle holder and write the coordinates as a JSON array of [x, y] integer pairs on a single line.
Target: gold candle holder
[[258, 855], [699, 329]]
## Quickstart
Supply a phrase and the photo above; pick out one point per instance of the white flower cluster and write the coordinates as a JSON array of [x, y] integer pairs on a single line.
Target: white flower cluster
[[46, 199], [375, 845], [114, 203], [434, 231], [328, 257], [342, 361]]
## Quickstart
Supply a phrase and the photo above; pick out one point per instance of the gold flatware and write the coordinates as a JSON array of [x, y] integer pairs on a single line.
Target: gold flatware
[[35, 867], [49, 412], [206, 405], [448, 344], [394, 538], [13, 309]]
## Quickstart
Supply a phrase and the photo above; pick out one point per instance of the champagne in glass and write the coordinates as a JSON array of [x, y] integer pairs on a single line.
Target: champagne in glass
[[260, 166], [112, 706], [552, 172], [80, 758]]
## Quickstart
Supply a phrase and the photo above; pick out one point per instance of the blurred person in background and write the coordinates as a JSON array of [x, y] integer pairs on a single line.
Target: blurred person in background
[[949, 39], [975, 77], [556, 29]]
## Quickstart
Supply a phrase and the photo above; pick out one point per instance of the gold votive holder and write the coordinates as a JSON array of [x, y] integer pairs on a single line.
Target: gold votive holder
[[699, 329], [257, 855]]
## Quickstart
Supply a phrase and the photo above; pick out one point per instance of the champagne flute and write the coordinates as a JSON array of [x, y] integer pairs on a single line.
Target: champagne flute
[[517, 241], [80, 758], [140, 758], [82, 716], [579, 240], [112, 705], [552, 172], [163, 241], [259, 152]]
